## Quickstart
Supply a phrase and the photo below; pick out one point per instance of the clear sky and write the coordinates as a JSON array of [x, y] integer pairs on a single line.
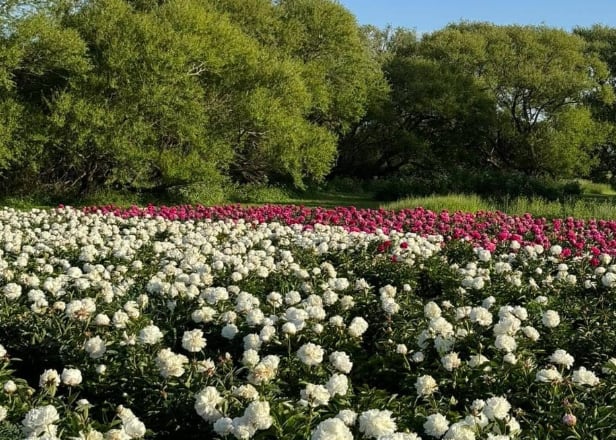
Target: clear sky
[[430, 15]]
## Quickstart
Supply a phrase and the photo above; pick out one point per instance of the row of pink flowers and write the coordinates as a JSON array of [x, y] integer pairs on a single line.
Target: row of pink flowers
[[486, 229]]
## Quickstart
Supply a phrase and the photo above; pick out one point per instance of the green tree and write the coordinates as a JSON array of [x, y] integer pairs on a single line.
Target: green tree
[[602, 43], [154, 94], [430, 120], [538, 77]]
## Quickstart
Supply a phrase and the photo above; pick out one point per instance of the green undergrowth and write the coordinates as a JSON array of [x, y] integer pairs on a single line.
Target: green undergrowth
[[584, 207]]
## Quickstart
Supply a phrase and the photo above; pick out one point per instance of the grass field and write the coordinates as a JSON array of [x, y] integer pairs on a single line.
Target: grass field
[[597, 201]]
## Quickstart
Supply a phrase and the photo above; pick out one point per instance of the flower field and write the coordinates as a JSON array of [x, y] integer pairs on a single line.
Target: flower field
[[283, 322]]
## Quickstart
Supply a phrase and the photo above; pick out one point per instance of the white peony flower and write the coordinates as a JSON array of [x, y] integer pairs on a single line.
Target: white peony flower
[[341, 361], [496, 408], [506, 343], [481, 316], [432, 310], [436, 425], [229, 331], [71, 377], [311, 354], [357, 327], [451, 361], [375, 423], [332, 429], [315, 395], [39, 421], [193, 340], [170, 364], [460, 431], [347, 416], [425, 385], [206, 402], [95, 347], [49, 378], [548, 375], [550, 319], [561, 357], [150, 335], [582, 376], [531, 333], [338, 384], [9, 387], [477, 360]]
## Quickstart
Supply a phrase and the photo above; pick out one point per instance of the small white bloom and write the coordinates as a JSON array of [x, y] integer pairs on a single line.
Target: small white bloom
[[496, 408], [71, 377], [95, 347], [347, 416], [582, 376], [229, 331], [193, 340], [561, 357], [332, 429], [311, 354], [150, 335], [374, 423], [436, 425], [425, 385], [550, 319], [49, 378]]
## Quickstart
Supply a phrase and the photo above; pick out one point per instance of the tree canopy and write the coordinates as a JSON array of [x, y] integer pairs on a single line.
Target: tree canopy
[[145, 94]]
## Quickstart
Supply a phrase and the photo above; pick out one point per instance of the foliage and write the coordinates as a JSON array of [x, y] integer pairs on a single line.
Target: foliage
[[476, 95], [145, 325], [134, 95]]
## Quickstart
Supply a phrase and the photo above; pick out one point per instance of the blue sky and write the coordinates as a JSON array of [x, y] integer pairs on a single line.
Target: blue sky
[[430, 15]]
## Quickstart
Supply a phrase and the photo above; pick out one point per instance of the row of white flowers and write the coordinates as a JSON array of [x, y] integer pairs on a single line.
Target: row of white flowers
[[267, 331]]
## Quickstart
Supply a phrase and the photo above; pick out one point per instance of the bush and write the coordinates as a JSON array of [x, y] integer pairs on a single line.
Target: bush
[[489, 184], [197, 193], [257, 193]]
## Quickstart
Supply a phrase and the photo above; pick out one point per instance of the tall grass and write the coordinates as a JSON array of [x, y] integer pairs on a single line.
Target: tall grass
[[594, 188], [579, 208]]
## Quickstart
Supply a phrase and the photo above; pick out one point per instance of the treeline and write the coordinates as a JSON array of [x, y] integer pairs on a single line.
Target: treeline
[[148, 95]]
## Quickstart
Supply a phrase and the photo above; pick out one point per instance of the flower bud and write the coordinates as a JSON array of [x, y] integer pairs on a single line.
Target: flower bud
[[569, 419]]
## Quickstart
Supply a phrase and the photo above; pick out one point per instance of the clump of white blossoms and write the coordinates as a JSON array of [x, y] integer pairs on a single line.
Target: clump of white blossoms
[[436, 425], [561, 357], [206, 404], [332, 429], [71, 377], [150, 335], [193, 340], [496, 408], [550, 319], [40, 422], [426, 385], [341, 361], [170, 364], [375, 423], [95, 347], [311, 354], [582, 376]]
